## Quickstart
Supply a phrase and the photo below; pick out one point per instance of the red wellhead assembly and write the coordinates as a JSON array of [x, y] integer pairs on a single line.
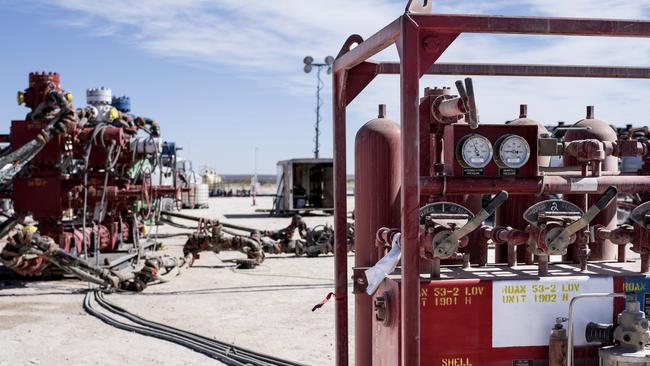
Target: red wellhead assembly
[[83, 177], [84, 200], [487, 244]]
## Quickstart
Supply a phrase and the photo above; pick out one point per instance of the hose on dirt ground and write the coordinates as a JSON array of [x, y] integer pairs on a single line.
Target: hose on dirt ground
[[221, 351]]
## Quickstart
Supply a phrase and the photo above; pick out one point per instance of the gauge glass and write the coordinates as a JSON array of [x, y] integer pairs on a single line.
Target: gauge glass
[[476, 151], [514, 151]]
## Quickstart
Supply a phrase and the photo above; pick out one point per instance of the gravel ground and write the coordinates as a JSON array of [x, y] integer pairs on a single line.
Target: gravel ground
[[267, 309]]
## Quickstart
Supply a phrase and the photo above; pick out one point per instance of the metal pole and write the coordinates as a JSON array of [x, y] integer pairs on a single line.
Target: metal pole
[[340, 222], [319, 104], [254, 188], [410, 85]]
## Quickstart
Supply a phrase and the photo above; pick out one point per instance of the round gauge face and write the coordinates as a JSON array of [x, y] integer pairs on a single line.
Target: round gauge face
[[513, 152], [475, 151]]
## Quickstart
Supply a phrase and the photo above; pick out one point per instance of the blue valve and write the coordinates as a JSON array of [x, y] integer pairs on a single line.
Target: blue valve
[[123, 104]]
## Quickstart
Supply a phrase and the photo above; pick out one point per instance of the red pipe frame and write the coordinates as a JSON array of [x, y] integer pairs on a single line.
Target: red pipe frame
[[411, 34]]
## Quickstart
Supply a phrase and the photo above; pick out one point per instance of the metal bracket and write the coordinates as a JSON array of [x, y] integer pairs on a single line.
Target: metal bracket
[[359, 280]]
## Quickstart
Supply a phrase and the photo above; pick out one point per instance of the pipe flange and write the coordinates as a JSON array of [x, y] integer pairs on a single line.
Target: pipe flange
[[97, 96]]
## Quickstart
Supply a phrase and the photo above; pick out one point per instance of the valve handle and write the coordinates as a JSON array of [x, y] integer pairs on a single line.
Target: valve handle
[[606, 198], [462, 93], [477, 220], [466, 94], [603, 201], [471, 101], [495, 202]]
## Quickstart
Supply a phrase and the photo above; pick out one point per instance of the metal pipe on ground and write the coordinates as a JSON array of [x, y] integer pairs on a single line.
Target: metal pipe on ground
[[197, 219]]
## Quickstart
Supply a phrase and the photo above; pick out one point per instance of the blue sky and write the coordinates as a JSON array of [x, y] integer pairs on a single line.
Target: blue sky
[[225, 76]]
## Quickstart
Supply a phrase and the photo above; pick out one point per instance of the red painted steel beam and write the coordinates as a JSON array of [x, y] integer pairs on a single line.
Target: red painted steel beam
[[493, 24], [525, 70], [533, 25], [370, 47], [358, 78], [410, 197], [340, 219], [544, 185]]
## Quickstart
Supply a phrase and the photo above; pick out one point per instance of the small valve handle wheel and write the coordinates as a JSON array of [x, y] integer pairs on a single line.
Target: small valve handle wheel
[[560, 239]]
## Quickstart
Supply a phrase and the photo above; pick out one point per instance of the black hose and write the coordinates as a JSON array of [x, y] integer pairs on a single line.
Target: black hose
[[601, 333], [221, 351], [193, 336], [176, 225], [194, 218], [171, 235], [144, 331]]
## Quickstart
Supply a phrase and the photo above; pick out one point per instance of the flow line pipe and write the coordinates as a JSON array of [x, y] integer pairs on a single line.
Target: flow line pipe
[[194, 218], [537, 185]]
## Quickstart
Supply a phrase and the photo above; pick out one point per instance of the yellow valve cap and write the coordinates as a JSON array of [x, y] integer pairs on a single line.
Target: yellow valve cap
[[113, 114], [30, 229], [21, 98], [68, 97]]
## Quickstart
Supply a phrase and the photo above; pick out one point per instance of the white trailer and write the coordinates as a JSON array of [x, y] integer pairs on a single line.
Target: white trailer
[[304, 185]]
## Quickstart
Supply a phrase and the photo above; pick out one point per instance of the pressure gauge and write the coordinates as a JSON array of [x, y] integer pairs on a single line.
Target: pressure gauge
[[474, 151], [513, 151]]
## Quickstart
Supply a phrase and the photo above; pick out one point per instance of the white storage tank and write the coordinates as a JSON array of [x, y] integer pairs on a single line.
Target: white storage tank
[[202, 195], [188, 198]]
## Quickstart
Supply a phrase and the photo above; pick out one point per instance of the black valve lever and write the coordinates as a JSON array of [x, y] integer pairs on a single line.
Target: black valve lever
[[495, 202], [603, 201], [474, 223], [466, 94], [606, 198], [471, 101], [462, 93]]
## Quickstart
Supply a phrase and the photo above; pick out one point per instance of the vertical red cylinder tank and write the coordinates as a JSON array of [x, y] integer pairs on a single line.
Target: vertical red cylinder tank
[[600, 130], [510, 213], [377, 204]]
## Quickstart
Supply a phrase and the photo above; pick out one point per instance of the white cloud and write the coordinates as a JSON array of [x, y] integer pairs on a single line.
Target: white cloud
[[267, 40], [621, 9]]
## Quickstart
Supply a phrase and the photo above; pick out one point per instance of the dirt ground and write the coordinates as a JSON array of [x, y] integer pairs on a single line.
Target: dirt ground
[[267, 309]]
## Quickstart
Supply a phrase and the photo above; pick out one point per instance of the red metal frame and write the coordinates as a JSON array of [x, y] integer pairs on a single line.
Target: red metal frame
[[421, 40]]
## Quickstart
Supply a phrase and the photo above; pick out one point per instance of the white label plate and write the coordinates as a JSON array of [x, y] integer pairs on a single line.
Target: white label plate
[[584, 184], [524, 311]]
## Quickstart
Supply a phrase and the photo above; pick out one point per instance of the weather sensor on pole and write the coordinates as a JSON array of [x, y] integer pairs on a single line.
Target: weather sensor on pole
[[309, 65]]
